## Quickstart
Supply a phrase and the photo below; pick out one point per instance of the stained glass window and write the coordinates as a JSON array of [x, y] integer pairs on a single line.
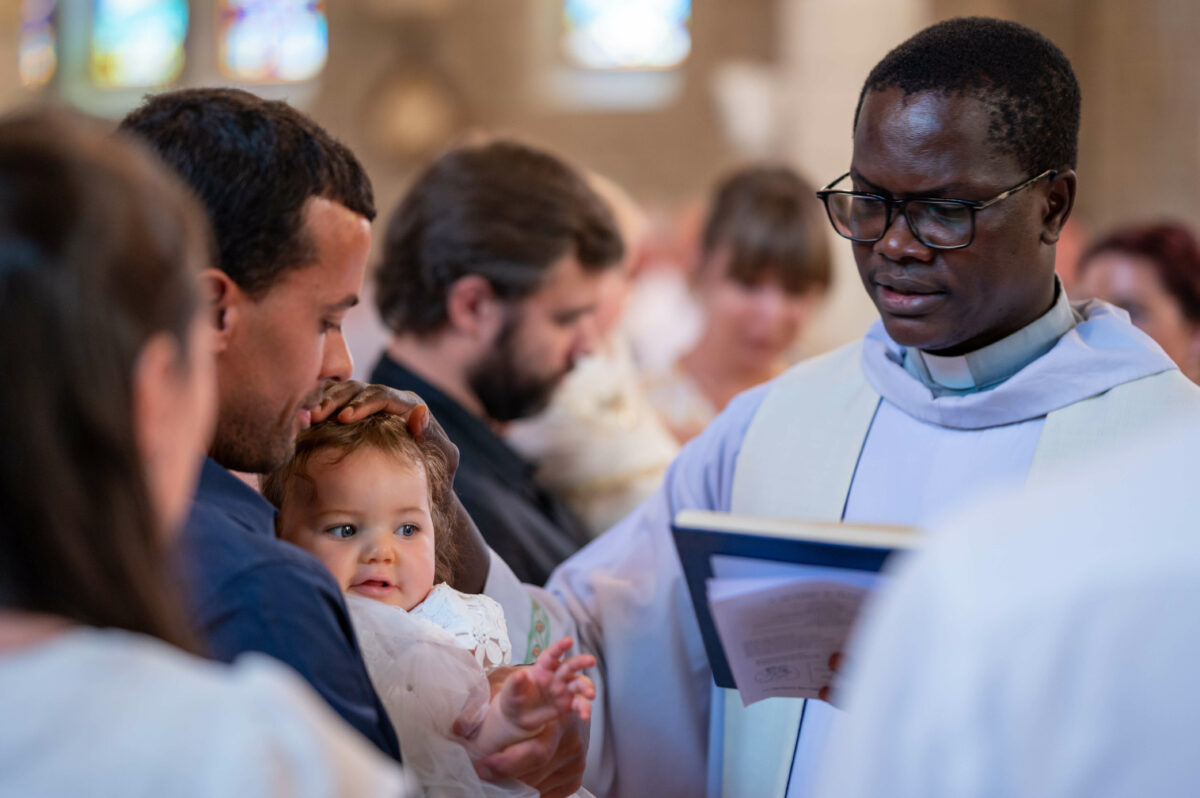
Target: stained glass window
[[627, 34], [137, 43], [272, 41], [37, 58]]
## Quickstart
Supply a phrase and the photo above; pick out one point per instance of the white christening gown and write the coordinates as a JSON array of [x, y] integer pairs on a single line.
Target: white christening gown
[[429, 667]]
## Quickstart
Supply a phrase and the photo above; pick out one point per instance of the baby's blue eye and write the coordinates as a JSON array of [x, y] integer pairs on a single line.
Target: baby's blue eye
[[407, 530], [342, 531]]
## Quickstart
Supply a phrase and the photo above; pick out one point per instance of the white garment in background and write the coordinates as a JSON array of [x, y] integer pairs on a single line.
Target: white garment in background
[[678, 400], [599, 444], [662, 318], [103, 713], [1042, 646]]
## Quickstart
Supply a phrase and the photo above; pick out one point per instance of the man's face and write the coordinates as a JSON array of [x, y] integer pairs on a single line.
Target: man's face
[[542, 337], [949, 301], [284, 344]]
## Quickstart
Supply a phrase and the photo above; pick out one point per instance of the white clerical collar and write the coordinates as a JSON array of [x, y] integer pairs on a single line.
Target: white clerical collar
[[995, 363]]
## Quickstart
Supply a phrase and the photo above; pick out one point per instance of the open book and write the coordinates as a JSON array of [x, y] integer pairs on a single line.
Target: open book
[[776, 598]]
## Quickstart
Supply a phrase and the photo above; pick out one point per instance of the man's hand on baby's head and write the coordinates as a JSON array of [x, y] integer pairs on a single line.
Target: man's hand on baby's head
[[351, 401]]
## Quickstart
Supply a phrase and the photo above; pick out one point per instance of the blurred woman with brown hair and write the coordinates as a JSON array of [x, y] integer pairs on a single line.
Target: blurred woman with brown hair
[[764, 269]]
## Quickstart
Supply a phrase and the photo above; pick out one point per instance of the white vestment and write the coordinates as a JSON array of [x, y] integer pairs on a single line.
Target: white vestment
[[1042, 646], [871, 442], [106, 713]]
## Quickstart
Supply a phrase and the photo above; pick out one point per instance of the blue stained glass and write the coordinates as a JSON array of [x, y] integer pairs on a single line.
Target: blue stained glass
[[137, 43], [272, 41], [627, 34]]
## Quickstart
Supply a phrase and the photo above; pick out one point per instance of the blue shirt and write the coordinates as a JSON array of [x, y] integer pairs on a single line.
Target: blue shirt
[[252, 592]]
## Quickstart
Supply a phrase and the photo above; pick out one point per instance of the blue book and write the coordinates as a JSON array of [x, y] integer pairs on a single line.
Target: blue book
[[777, 586]]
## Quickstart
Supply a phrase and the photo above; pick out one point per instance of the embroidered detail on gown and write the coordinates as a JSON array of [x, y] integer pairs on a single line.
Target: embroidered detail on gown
[[475, 622]]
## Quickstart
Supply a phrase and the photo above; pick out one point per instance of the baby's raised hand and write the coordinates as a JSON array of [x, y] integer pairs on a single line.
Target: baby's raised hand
[[531, 699], [548, 689]]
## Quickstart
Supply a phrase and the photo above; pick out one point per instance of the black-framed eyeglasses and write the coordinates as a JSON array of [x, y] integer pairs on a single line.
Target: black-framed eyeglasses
[[936, 223]]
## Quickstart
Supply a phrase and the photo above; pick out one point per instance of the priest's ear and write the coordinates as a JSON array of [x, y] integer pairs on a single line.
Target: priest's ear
[[1060, 200]]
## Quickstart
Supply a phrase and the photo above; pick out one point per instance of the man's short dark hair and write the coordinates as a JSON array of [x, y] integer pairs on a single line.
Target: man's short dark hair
[[1022, 75], [502, 210], [254, 164]]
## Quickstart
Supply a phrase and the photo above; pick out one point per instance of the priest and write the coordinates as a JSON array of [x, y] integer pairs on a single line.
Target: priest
[[979, 375]]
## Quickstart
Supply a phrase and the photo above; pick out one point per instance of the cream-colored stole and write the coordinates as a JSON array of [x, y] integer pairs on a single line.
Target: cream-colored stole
[[798, 461]]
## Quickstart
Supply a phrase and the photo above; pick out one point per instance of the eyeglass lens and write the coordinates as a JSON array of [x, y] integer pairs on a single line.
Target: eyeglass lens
[[937, 224]]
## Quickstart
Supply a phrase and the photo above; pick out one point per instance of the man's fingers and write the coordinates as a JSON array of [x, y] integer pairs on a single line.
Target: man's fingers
[[565, 780], [520, 759], [418, 420], [334, 396], [467, 724], [378, 399], [352, 401]]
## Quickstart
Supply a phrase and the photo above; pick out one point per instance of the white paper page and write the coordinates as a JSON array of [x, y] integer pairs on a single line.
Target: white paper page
[[780, 629]]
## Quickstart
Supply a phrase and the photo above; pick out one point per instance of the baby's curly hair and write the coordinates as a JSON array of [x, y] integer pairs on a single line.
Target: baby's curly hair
[[388, 434]]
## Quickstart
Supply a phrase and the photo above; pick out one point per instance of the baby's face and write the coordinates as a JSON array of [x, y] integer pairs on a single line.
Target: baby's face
[[367, 519]]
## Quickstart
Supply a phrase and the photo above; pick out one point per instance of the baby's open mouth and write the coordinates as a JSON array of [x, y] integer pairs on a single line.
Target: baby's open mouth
[[373, 587]]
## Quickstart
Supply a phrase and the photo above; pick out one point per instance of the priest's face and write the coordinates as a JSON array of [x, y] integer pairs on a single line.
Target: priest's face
[[953, 301]]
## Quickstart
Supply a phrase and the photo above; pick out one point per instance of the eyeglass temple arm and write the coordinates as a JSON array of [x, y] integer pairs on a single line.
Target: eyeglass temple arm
[[1051, 173], [829, 186]]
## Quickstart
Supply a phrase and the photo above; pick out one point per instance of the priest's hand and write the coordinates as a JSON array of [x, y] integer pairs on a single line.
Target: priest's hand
[[351, 401]]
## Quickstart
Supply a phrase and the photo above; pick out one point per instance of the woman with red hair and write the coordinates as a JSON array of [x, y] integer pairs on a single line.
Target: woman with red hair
[[1153, 272]]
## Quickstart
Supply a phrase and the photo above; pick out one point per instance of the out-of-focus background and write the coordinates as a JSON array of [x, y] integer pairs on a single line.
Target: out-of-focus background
[[661, 96]]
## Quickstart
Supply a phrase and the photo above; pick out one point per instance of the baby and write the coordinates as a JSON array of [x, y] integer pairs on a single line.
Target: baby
[[372, 503]]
